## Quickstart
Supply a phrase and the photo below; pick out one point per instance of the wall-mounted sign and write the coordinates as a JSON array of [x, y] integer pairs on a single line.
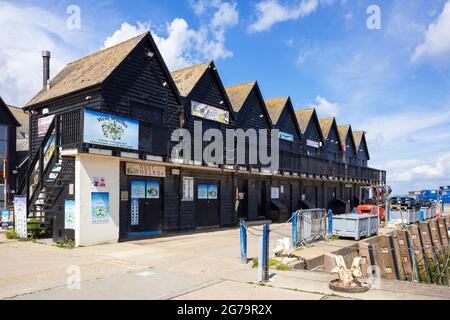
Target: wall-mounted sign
[[134, 212], [312, 143], [241, 195], [49, 150], [213, 192], [69, 214], [100, 207], [71, 189], [44, 124], [137, 189], [275, 193], [20, 216], [144, 170], [202, 192], [109, 130], [152, 190], [188, 189], [286, 136], [207, 112], [282, 189], [124, 195], [99, 182]]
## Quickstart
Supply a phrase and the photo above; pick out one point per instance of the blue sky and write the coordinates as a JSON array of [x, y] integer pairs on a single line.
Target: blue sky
[[392, 82]]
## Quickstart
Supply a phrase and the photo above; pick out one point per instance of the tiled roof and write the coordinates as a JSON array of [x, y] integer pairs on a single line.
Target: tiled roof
[[23, 119], [238, 94], [303, 118], [187, 78], [343, 132], [87, 72], [275, 107], [325, 125], [357, 136]]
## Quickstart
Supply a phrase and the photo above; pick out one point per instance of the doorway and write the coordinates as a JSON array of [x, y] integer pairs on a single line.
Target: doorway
[[207, 205], [146, 205]]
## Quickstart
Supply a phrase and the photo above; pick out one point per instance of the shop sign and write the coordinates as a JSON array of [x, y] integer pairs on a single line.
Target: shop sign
[[208, 112], [20, 216], [188, 189], [110, 130], [100, 207], [44, 124], [312, 143], [286, 136], [275, 193], [144, 170], [69, 214]]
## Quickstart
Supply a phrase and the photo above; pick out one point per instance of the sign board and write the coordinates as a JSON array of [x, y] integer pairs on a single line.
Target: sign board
[[275, 193], [44, 124], [20, 216], [110, 130], [5, 218], [286, 136], [188, 189], [208, 112], [312, 143], [144, 170], [100, 207], [69, 214]]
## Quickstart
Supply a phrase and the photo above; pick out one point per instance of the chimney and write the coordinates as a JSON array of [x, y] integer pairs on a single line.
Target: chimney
[[46, 69]]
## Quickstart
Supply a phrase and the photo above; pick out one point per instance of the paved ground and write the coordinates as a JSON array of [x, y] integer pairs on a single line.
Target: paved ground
[[197, 266]]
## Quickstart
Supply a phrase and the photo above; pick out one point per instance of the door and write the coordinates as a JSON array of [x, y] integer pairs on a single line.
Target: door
[[243, 199], [146, 205], [262, 200], [207, 204]]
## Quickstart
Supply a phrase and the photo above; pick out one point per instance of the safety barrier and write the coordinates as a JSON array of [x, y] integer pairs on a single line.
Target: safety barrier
[[308, 226]]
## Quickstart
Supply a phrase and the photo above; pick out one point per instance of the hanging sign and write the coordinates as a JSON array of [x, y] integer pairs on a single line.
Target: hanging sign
[[100, 207], [207, 112], [69, 214], [109, 130], [43, 125], [188, 189], [286, 136], [312, 143], [20, 216], [145, 170]]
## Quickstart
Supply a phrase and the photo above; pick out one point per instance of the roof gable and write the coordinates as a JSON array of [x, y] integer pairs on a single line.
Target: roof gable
[[275, 108], [9, 114], [87, 72], [23, 119], [327, 125], [346, 131], [360, 139], [304, 118]]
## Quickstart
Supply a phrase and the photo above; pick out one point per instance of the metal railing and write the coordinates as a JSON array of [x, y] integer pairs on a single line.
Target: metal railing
[[309, 225]]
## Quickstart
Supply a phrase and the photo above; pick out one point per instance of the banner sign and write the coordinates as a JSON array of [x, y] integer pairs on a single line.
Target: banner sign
[[109, 130], [100, 207], [69, 214], [188, 189], [20, 216], [286, 136], [145, 170], [207, 112], [312, 143], [43, 125]]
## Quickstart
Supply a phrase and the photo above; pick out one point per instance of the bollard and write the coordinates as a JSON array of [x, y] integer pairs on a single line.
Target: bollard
[[330, 224], [263, 264], [243, 242], [294, 229], [422, 215], [388, 216]]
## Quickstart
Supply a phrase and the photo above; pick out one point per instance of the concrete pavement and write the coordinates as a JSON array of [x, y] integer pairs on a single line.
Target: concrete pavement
[[195, 266]]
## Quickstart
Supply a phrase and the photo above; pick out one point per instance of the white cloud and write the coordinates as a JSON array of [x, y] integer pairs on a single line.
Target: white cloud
[[326, 108], [437, 38], [181, 45], [25, 31], [270, 12]]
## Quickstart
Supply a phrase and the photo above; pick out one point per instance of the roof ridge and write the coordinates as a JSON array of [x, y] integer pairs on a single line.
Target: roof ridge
[[241, 84], [193, 66]]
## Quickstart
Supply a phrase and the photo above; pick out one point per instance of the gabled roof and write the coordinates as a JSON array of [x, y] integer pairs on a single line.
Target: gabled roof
[[303, 118], [239, 93], [87, 72], [275, 108], [12, 118], [187, 78], [360, 137], [344, 131], [23, 118], [326, 124]]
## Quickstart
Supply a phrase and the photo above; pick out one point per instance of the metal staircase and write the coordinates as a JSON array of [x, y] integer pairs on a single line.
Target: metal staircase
[[47, 176]]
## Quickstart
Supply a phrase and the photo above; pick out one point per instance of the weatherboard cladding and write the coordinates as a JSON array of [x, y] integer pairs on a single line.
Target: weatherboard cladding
[[310, 126], [346, 134], [361, 146], [333, 145], [205, 87]]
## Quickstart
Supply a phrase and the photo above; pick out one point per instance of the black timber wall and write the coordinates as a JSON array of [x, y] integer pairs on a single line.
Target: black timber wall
[[332, 145], [312, 132]]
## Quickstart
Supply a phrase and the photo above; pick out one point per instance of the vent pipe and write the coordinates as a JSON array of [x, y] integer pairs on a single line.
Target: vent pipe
[[46, 69]]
